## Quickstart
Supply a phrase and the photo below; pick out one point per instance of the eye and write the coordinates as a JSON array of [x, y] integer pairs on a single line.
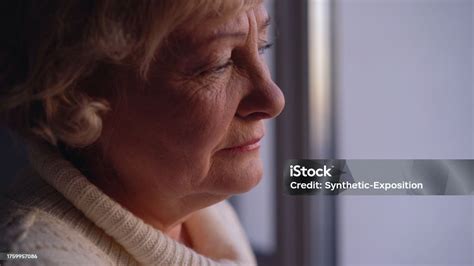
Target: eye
[[217, 69], [261, 50], [223, 67]]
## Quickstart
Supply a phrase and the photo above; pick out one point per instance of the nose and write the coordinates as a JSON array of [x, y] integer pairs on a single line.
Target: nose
[[265, 99]]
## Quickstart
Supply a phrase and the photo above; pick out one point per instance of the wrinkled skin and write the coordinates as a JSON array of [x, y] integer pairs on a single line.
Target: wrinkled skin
[[169, 144]]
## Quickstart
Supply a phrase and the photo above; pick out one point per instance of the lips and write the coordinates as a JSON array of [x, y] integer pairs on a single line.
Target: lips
[[249, 145]]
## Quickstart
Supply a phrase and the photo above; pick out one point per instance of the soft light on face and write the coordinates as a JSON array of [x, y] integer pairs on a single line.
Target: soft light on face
[[194, 128]]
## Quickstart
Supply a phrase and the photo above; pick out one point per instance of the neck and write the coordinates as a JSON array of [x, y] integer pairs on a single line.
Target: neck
[[161, 209], [175, 232]]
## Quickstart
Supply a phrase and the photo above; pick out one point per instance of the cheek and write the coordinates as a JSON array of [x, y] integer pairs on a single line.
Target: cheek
[[200, 117], [183, 126]]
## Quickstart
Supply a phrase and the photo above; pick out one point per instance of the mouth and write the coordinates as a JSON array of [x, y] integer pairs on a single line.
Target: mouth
[[247, 146]]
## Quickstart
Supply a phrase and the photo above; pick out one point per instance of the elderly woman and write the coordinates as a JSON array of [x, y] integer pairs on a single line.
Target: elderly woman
[[141, 117]]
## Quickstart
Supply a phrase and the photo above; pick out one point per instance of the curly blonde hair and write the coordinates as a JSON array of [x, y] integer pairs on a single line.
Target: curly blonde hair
[[53, 45]]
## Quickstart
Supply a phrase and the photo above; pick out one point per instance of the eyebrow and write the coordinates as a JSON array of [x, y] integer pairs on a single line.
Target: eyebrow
[[266, 23]]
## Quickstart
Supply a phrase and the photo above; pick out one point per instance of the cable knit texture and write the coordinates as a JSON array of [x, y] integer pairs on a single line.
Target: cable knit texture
[[52, 210]]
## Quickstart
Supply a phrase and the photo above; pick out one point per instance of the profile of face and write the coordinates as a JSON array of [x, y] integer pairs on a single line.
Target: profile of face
[[192, 130]]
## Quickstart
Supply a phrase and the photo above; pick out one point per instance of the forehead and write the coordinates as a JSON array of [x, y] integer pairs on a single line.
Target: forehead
[[256, 14], [239, 22], [233, 25]]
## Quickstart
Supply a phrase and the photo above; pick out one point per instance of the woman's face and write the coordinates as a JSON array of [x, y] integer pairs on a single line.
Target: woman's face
[[195, 126]]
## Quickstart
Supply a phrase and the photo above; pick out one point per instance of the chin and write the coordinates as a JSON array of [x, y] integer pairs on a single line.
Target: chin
[[239, 176]]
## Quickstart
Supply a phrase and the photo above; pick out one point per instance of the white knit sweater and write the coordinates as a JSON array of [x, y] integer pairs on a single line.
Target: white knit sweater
[[54, 212]]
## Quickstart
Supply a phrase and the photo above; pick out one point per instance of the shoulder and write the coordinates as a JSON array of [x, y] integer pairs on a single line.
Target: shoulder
[[29, 230]]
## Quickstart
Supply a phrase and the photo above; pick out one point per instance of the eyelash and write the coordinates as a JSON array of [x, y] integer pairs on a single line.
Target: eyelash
[[262, 49], [230, 62], [221, 68]]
